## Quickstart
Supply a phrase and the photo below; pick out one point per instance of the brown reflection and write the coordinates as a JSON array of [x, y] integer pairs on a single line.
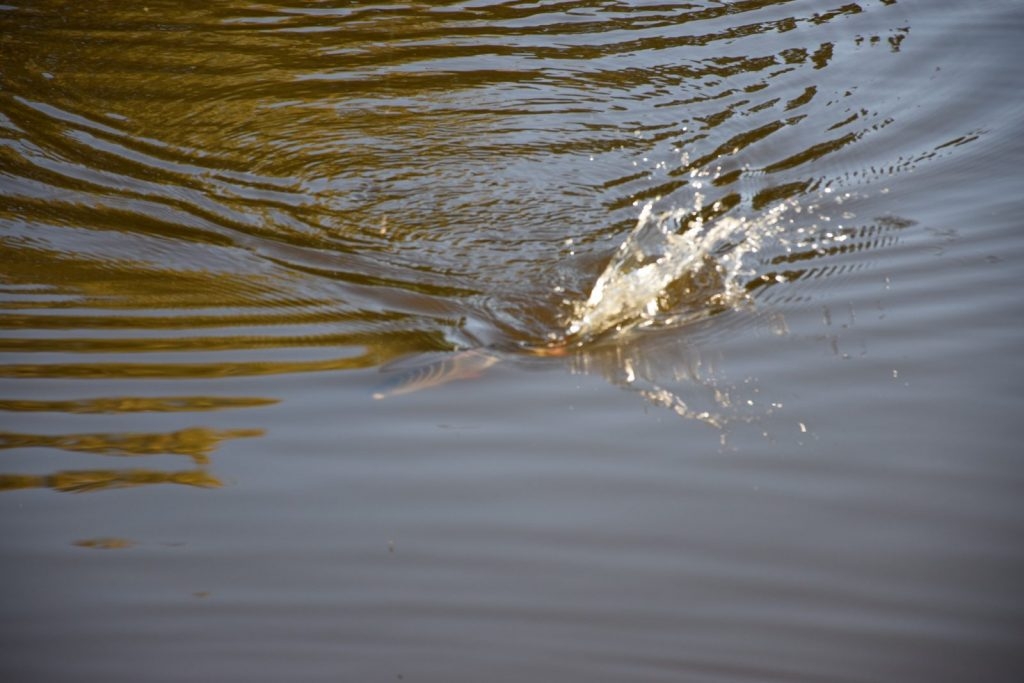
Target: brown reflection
[[196, 443], [80, 481], [111, 280], [118, 296], [184, 370], [160, 175], [106, 543], [132, 404]]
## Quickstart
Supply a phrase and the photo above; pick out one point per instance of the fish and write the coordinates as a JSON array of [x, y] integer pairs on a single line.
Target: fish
[[457, 365], [632, 290]]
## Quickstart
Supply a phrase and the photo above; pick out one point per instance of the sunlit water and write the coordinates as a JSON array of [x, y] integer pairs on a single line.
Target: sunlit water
[[522, 341]]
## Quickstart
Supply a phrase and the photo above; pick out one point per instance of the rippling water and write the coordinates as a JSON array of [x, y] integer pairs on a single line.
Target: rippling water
[[730, 289]]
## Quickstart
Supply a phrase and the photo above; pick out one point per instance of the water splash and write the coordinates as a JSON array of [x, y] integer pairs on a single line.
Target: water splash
[[672, 258]]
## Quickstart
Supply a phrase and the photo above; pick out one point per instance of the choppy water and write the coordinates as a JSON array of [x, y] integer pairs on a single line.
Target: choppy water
[[738, 283]]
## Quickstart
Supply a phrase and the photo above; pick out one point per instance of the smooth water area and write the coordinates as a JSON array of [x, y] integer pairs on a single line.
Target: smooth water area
[[512, 341]]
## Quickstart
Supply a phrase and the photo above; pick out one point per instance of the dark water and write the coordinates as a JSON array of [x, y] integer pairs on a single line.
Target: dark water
[[224, 226]]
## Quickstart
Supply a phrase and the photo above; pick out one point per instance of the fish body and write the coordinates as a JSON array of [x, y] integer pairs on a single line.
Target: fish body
[[458, 365], [451, 367]]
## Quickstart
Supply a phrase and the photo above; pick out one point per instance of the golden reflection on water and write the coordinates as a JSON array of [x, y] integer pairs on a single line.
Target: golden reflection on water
[[183, 370], [134, 404], [196, 443], [266, 200], [79, 481]]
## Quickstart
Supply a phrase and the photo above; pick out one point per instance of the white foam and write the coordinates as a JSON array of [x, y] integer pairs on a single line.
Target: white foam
[[663, 250]]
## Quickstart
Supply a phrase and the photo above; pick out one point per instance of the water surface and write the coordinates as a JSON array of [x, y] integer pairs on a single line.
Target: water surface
[[795, 457]]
